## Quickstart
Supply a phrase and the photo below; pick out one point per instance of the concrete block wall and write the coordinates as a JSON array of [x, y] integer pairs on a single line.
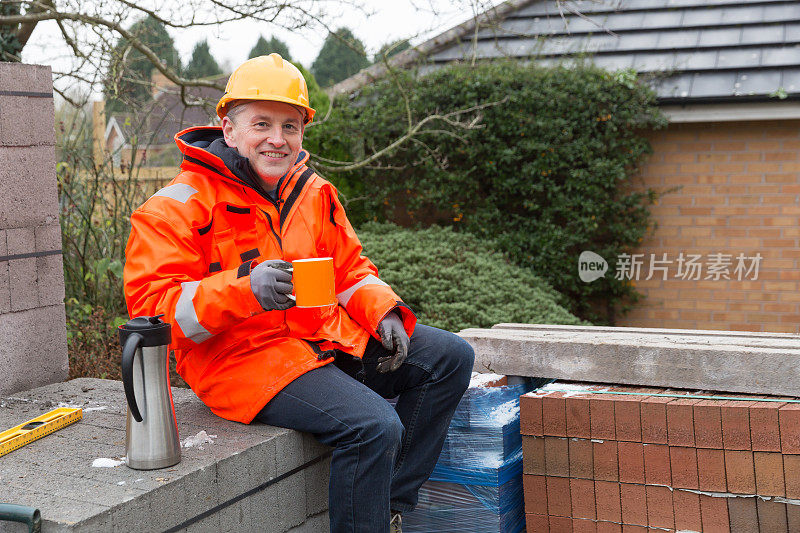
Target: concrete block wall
[[33, 348], [738, 191], [623, 463]]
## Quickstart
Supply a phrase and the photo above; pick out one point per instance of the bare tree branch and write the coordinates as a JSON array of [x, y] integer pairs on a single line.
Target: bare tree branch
[[344, 166]]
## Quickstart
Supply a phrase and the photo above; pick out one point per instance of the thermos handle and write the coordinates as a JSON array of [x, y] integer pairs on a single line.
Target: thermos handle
[[128, 352]]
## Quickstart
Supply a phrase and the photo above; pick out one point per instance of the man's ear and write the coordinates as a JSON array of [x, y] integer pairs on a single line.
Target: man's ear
[[227, 131]]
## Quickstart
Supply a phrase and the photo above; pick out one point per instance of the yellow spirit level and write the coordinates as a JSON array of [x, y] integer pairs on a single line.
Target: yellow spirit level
[[38, 427]]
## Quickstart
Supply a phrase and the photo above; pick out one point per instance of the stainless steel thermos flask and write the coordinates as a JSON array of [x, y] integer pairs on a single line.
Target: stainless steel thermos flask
[[151, 431]]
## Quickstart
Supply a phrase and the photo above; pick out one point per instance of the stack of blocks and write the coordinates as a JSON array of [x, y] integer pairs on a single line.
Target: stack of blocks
[[603, 462], [33, 344]]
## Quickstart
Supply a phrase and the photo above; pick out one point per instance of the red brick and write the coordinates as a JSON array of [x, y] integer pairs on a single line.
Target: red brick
[[769, 473], [743, 515], [680, 422], [765, 435], [630, 528], [556, 458], [605, 460], [659, 507], [740, 472], [771, 516], [577, 412], [711, 470], [533, 455], [627, 418], [793, 517], [634, 504], [736, 425], [654, 419], [536, 523], [708, 424], [683, 463], [558, 500], [554, 418], [686, 506], [581, 463], [582, 493], [602, 416], [789, 417], [609, 527], [607, 498], [656, 464], [715, 514], [631, 462], [583, 526], [535, 492], [530, 415], [560, 524], [791, 475]]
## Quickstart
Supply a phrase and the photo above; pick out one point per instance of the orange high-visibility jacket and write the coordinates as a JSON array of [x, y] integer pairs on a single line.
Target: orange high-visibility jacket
[[189, 255]]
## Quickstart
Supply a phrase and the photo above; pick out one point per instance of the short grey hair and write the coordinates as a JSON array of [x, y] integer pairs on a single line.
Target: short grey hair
[[236, 107]]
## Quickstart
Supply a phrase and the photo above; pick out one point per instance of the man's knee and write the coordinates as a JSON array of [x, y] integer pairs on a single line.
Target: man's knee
[[382, 426], [458, 356], [463, 357]]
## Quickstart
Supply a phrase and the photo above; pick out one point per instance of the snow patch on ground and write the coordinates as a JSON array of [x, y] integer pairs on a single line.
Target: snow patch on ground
[[104, 462], [198, 440]]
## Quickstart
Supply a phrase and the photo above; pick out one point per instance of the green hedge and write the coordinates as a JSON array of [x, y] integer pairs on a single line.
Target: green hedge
[[454, 281], [546, 174]]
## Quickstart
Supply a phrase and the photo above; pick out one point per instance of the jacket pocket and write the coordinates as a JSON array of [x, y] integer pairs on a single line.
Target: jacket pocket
[[236, 234]]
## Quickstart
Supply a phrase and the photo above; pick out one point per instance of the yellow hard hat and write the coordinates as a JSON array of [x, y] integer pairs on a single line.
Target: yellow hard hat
[[266, 78]]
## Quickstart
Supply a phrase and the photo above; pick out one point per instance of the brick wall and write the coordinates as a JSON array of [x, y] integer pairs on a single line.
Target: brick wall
[[739, 188], [626, 463], [33, 348]]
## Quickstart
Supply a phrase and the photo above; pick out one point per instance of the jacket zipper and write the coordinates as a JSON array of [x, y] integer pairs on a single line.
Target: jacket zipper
[[272, 229]]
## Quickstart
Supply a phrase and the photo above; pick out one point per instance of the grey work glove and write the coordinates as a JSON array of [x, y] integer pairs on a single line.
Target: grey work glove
[[394, 338], [271, 283]]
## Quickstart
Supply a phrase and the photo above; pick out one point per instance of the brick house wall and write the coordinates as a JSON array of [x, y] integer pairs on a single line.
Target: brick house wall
[[739, 184]]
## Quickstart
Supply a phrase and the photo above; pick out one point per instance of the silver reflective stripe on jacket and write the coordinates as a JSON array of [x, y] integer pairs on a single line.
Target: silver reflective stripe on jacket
[[179, 191], [186, 316], [345, 296]]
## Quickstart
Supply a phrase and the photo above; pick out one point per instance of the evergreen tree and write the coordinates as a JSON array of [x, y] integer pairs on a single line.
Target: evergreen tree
[[202, 63], [341, 56], [390, 49], [10, 46], [264, 47], [128, 80]]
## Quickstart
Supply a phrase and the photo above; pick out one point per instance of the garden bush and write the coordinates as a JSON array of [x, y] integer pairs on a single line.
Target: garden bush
[[545, 172], [455, 281]]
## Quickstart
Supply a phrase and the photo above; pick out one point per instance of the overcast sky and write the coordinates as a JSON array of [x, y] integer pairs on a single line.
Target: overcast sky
[[231, 43]]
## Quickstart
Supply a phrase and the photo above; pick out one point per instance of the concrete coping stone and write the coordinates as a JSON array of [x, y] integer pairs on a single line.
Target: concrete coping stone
[[56, 474], [726, 361]]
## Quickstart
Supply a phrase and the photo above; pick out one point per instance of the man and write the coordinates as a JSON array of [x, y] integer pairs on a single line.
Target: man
[[209, 251]]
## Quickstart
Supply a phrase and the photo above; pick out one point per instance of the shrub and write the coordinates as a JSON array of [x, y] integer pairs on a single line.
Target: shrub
[[545, 174], [454, 281]]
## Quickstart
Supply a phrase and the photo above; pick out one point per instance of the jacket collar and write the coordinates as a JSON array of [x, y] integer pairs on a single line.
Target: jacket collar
[[194, 144]]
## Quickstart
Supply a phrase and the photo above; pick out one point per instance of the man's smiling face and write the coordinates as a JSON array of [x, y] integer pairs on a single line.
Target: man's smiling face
[[269, 134]]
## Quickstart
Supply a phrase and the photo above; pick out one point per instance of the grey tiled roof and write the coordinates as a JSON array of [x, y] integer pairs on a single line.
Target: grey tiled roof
[[694, 50]]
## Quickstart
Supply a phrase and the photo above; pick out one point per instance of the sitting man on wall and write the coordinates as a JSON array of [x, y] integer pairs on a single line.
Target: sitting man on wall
[[210, 251]]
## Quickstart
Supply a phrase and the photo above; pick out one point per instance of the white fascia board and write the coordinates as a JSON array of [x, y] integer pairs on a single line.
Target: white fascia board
[[730, 112], [112, 123]]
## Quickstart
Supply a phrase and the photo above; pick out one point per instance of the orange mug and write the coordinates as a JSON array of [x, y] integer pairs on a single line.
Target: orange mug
[[313, 281]]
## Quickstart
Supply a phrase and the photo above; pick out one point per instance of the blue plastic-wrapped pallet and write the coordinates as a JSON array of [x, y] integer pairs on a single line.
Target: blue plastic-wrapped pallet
[[476, 486]]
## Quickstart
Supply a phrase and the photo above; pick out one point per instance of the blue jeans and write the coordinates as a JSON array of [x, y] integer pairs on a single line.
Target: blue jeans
[[382, 454]]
